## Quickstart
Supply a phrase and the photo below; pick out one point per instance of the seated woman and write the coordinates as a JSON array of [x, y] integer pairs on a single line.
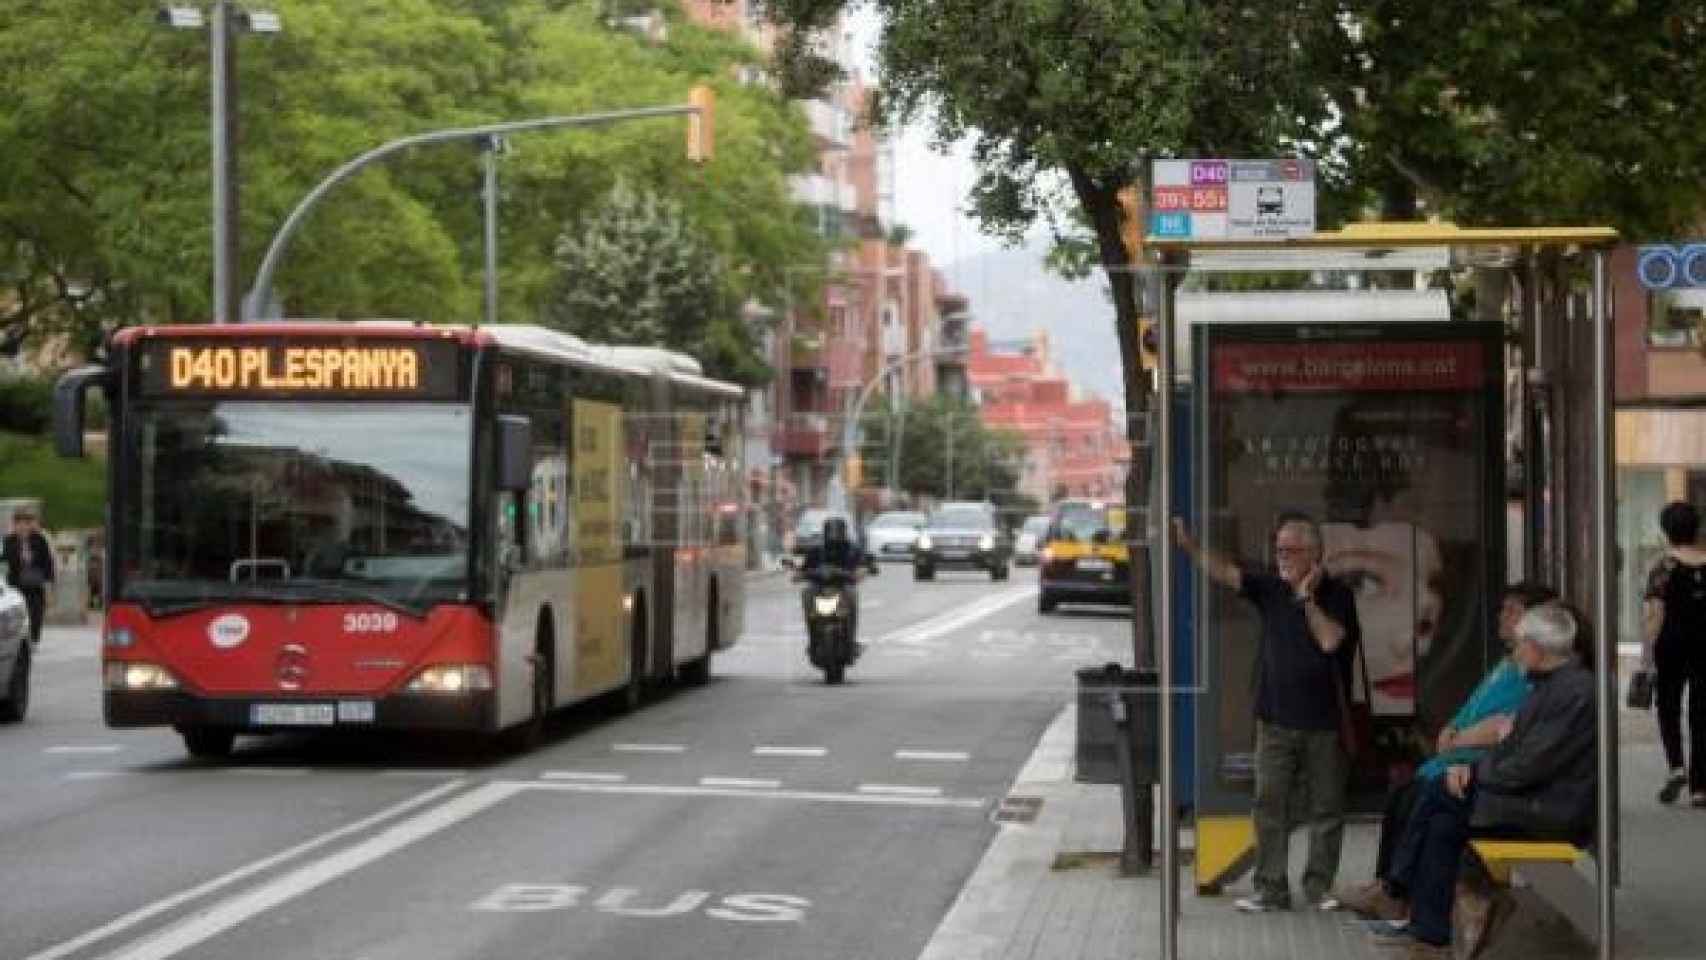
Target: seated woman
[[1479, 724]]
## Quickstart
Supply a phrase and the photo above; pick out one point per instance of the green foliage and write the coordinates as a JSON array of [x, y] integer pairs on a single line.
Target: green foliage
[[939, 436], [104, 192], [26, 404], [73, 492]]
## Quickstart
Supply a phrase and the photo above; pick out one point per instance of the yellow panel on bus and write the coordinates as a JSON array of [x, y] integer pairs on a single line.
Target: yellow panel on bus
[[601, 644]]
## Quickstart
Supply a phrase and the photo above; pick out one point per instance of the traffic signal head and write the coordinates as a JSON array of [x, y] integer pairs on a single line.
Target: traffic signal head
[[1148, 342], [700, 123]]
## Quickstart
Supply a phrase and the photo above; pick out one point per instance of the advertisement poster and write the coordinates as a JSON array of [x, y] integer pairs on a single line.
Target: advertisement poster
[[1389, 435], [601, 650]]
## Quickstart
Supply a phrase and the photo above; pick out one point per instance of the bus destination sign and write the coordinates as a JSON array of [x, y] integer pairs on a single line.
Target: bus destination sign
[[425, 369]]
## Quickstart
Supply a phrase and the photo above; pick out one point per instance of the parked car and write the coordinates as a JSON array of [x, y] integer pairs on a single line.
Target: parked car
[[1029, 546], [808, 531], [894, 534], [962, 537], [1085, 558], [15, 655]]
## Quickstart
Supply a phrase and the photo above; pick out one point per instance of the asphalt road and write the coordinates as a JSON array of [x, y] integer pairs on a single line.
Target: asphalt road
[[764, 815]]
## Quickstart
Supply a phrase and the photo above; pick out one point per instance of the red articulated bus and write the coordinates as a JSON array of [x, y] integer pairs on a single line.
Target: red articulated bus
[[351, 526]]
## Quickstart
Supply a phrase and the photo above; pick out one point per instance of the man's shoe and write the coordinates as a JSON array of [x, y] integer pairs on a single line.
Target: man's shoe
[[1326, 903], [1386, 933], [1373, 900], [1261, 903], [1673, 788]]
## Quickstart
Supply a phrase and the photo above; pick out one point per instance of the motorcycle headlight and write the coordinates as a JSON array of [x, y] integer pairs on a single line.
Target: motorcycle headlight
[[987, 543], [826, 606], [924, 541]]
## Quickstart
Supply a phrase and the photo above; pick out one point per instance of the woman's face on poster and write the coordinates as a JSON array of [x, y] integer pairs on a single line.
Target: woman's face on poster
[[1394, 570]]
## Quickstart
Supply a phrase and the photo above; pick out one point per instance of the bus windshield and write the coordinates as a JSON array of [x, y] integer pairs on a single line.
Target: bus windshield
[[294, 502]]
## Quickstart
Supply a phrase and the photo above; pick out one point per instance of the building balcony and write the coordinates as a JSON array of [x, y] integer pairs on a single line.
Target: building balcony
[[817, 190], [805, 435]]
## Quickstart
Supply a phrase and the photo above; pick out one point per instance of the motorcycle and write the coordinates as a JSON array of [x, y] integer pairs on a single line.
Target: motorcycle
[[829, 618]]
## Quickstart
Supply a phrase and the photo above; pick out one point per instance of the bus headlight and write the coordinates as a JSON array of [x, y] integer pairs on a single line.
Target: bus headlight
[[827, 605], [452, 678], [924, 541], [987, 543], [135, 675]]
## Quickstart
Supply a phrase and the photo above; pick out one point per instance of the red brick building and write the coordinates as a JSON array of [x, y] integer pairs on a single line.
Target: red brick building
[[1075, 447]]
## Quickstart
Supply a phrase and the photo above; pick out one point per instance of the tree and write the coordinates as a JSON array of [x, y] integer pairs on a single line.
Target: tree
[[634, 271], [945, 451]]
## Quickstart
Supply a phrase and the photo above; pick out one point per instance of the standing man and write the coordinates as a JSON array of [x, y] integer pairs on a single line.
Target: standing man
[[1308, 644], [29, 566]]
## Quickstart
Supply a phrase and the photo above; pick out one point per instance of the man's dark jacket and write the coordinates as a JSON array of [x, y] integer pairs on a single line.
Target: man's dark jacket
[[1544, 777], [41, 556]]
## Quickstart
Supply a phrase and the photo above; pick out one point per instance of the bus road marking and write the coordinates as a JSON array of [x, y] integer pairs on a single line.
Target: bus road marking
[[953, 620], [142, 915], [228, 913], [790, 751], [739, 783], [933, 756], [893, 790], [82, 749], [649, 748], [584, 776]]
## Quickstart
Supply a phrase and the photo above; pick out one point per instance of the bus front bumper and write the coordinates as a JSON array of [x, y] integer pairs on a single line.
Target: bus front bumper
[[474, 710]]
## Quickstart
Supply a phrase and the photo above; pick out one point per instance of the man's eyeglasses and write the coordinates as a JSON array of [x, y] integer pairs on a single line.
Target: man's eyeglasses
[[1292, 551]]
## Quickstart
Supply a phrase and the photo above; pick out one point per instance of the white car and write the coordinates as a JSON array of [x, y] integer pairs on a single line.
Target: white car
[[893, 535], [14, 655], [1029, 546]]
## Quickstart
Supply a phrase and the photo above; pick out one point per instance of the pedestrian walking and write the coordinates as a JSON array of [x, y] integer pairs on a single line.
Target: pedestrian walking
[[1308, 644], [1673, 646], [29, 566]]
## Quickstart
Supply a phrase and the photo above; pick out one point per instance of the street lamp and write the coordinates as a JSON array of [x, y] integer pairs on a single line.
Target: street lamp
[[225, 20]]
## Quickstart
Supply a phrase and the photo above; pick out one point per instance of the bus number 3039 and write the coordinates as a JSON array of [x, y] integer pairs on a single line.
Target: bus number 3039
[[370, 622]]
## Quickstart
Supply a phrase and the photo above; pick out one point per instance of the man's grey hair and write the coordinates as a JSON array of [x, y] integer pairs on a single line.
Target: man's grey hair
[[1551, 628], [1307, 524]]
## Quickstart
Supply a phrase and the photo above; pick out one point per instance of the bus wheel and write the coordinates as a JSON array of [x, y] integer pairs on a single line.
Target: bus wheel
[[698, 673], [544, 662], [209, 743], [635, 693]]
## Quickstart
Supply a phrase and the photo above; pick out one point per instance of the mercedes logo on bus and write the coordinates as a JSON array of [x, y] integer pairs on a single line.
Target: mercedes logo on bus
[[291, 667]]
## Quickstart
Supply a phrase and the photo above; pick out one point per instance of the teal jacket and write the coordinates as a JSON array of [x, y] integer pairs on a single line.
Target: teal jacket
[[1501, 691]]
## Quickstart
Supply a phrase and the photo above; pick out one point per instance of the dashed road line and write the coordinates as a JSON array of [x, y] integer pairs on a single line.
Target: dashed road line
[[896, 790], [79, 943], [933, 756], [649, 748], [584, 776], [739, 783], [269, 771], [956, 619], [790, 751], [97, 774], [424, 773], [919, 800], [82, 749]]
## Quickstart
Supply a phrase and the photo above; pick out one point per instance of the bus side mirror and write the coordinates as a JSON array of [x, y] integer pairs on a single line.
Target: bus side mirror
[[515, 453], [69, 396]]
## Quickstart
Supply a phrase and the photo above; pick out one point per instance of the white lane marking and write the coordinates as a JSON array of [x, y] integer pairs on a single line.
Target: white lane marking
[[173, 902], [992, 655], [96, 774], [812, 796], [268, 771], [739, 782], [586, 776], [229, 913], [935, 756], [81, 750], [790, 751], [424, 773], [894, 790], [649, 748], [959, 618]]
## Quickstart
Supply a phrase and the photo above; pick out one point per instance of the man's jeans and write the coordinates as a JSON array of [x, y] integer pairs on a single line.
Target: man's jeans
[[1424, 868], [1287, 762]]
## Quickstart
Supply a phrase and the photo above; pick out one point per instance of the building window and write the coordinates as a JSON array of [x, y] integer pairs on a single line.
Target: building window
[[1674, 317]]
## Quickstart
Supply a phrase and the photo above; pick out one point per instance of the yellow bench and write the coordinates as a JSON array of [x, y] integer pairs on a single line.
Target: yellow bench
[[1549, 868]]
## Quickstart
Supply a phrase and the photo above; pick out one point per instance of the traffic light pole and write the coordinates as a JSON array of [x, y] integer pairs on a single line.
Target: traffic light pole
[[261, 292]]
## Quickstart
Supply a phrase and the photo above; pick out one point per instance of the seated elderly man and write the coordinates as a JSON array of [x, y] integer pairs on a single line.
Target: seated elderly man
[[1540, 781]]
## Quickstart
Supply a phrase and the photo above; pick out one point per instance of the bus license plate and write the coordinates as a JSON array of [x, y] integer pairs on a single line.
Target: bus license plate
[[293, 714], [355, 711]]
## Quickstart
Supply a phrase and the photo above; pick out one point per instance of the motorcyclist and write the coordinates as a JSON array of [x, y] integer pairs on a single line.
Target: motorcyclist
[[838, 551]]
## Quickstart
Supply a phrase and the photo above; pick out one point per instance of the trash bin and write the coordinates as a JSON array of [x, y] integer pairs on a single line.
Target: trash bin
[[1097, 756]]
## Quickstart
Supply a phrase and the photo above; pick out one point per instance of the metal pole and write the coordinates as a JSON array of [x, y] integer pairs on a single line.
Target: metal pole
[[489, 153], [222, 79], [1605, 534], [1162, 476], [949, 421], [261, 291]]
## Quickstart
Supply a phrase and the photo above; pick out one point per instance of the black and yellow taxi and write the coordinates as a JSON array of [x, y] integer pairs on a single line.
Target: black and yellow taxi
[[1084, 557]]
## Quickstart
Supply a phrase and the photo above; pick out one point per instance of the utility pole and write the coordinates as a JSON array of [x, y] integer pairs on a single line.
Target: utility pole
[[223, 81]]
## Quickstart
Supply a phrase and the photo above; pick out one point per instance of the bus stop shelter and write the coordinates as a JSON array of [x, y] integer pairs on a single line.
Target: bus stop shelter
[[1548, 288]]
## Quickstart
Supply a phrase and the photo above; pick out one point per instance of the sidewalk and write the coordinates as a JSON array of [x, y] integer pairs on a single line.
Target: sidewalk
[[1050, 890]]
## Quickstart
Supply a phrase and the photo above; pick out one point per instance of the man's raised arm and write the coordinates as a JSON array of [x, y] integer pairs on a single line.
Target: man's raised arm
[[1219, 567]]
